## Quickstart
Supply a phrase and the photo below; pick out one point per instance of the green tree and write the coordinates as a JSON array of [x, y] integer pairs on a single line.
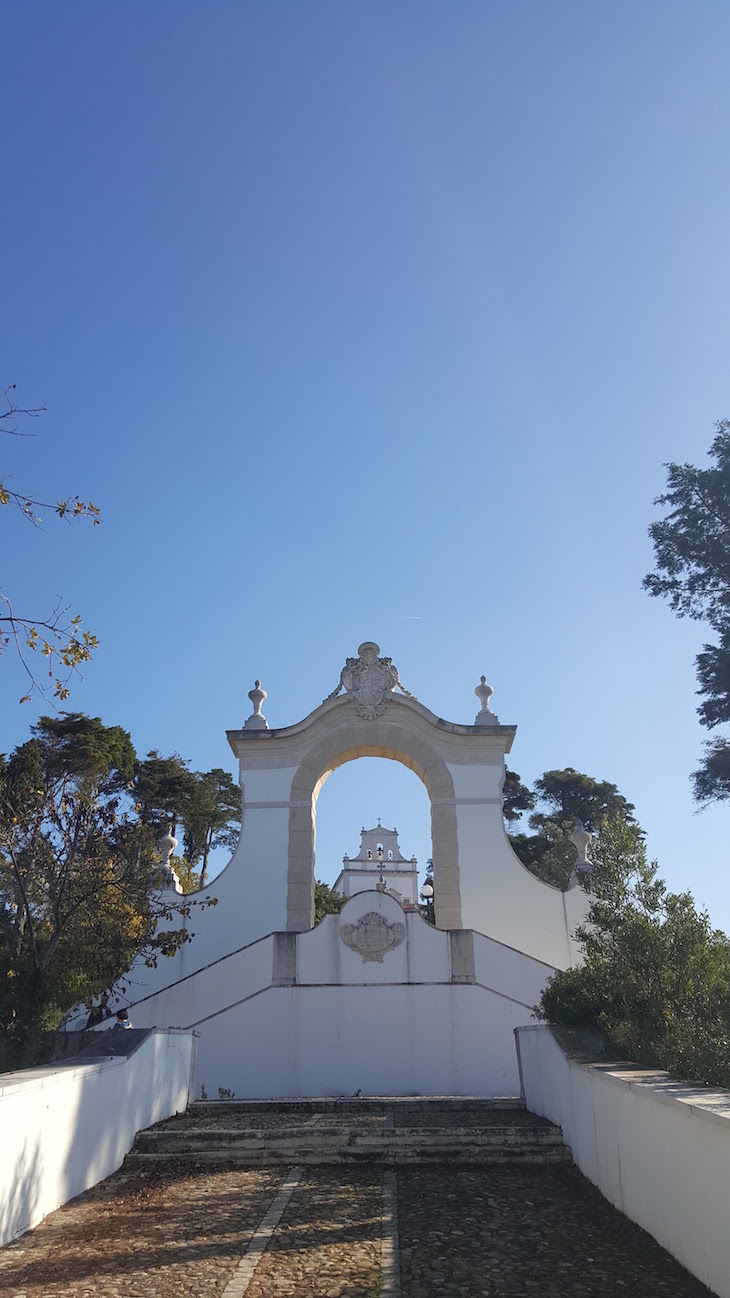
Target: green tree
[[692, 572], [564, 797], [212, 817], [57, 635], [656, 976], [163, 787], [516, 797], [326, 901], [76, 862], [189, 877]]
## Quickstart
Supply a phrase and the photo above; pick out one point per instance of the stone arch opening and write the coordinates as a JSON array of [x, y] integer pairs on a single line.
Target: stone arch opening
[[352, 801], [414, 752]]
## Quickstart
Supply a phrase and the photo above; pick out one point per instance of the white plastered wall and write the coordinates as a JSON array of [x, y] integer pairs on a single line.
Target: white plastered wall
[[499, 896], [305, 1015], [658, 1150], [65, 1127]]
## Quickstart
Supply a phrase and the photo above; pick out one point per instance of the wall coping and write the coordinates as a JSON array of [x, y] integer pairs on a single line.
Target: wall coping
[[61, 1070], [694, 1099]]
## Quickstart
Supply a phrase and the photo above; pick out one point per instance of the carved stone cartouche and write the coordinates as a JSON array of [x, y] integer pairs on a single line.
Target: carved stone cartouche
[[369, 682], [372, 936]]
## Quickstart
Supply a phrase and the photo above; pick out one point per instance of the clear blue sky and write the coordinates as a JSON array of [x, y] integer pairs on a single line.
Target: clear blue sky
[[372, 320]]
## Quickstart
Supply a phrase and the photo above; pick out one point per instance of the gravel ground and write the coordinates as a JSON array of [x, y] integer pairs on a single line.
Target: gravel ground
[[505, 1232]]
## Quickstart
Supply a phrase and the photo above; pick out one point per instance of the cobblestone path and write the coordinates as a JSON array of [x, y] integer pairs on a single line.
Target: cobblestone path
[[460, 1232]]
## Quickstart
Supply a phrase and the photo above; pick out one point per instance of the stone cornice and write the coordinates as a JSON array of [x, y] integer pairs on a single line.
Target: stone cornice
[[340, 709]]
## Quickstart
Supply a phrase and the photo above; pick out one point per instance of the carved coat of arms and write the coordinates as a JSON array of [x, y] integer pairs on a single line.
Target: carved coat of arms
[[372, 936], [369, 681]]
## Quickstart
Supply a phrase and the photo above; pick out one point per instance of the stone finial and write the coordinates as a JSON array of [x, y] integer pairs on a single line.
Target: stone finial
[[165, 877], [485, 717], [381, 885], [167, 844], [257, 720], [581, 840]]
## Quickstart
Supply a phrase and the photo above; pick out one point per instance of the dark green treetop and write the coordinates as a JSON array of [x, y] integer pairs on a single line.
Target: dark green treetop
[[212, 817], [692, 572], [563, 797]]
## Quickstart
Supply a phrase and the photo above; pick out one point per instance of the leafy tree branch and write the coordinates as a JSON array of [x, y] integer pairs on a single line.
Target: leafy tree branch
[[56, 636]]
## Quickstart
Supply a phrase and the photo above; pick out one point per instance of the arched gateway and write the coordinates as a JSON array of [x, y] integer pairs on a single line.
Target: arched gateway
[[285, 1009]]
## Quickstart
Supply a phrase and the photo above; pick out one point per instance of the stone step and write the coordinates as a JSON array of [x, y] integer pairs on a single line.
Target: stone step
[[389, 1132], [191, 1138], [361, 1104]]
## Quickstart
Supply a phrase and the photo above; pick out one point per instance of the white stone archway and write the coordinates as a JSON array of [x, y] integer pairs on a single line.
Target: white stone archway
[[479, 881], [373, 999]]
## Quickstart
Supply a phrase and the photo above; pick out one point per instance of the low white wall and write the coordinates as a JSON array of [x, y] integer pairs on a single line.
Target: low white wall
[[658, 1150], [65, 1126], [388, 1040]]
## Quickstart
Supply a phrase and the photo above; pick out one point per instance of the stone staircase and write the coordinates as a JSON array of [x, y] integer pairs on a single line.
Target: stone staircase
[[390, 1132]]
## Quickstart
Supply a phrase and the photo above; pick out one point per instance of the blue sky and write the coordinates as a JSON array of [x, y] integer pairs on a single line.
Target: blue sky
[[372, 321]]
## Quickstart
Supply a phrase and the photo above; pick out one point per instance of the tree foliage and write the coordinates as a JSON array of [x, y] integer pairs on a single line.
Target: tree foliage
[[692, 572], [326, 901], [562, 797], [516, 797], [162, 788], [206, 803], [76, 861], [212, 817], [656, 976], [56, 636]]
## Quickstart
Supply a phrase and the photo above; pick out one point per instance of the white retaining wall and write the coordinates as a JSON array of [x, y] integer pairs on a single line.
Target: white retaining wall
[[302, 1014], [65, 1126], [658, 1150]]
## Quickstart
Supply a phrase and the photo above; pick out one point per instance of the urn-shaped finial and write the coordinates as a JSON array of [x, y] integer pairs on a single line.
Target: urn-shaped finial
[[165, 878], [581, 840], [485, 717], [167, 844], [257, 720]]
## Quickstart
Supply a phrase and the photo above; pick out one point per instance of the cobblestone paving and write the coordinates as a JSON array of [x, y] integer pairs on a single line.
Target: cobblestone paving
[[500, 1232], [328, 1243], [518, 1232], [400, 1116], [162, 1233], [211, 1119], [214, 1120]]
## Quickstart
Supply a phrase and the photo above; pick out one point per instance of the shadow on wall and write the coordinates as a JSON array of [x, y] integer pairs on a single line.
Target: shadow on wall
[[19, 1199], [66, 1129]]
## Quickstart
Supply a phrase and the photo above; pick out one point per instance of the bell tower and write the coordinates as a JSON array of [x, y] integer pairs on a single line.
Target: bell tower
[[380, 856]]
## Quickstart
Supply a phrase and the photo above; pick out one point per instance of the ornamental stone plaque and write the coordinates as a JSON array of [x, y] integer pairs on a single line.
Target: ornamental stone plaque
[[372, 936], [369, 682]]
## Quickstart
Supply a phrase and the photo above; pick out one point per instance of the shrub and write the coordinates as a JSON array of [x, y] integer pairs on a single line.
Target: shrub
[[655, 980]]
